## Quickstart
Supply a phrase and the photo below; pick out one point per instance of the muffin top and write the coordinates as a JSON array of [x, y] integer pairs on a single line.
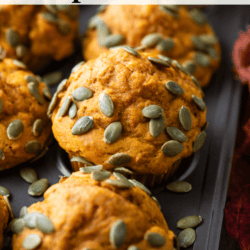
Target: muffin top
[[4, 217], [127, 110], [174, 31], [24, 125]]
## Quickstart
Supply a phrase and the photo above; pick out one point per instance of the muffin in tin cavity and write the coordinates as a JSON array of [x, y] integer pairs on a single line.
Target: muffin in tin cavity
[[129, 109], [174, 31], [37, 34], [4, 217], [96, 211], [24, 125]]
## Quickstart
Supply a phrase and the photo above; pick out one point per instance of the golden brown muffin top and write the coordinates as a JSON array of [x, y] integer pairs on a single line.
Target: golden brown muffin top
[[4, 217], [133, 83], [24, 125], [85, 214]]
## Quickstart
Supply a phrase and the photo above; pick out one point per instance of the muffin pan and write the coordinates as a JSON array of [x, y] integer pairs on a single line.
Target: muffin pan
[[207, 171]]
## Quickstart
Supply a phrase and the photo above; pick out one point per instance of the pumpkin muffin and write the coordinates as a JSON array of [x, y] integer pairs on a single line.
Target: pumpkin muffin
[[129, 109], [4, 217], [37, 34], [96, 211], [174, 31], [24, 125]]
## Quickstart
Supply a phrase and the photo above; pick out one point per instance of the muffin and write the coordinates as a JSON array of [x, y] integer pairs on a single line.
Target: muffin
[[85, 211], [129, 109], [174, 31], [24, 125], [4, 217], [37, 34]]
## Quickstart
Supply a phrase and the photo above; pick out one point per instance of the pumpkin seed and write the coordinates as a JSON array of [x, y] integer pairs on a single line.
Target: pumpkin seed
[[52, 104], [213, 53], [81, 160], [190, 66], [52, 78], [21, 51], [2, 156], [64, 8], [82, 93], [179, 187], [12, 37], [119, 183], [189, 222], [156, 126], [176, 134], [83, 125], [119, 159], [44, 224], [51, 8], [65, 107], [155, 239], [28, 174], [112, 132], [133, 247], [94, 22], [197, 16], [209, 40], [130, 50], [165, 44], [171, 7], [47, 93], [202, 59], [152, 111], [199, 141], [102, 32], [186, 238], [77, 66], [30, 219], [61, 86], [37, 188], [178, 66], [106, 105], [15, 129], [4, 191], [88, 170], [151, 40], [19, 64], [172, 148], [141, 47], [199, 102], [165, 58], [168, 11], [100, 175], [33, 147], [37, 127], [174, 88], [9, 206], [112, 40], [35, 92], [121, 177], [141, 186], [72, 110], [118, 234], [17, 225], [31, 78], [157, 202], [205, 126], [158, 61], [64, 27], [31, 242], [49, 17], [123, 170], [185, 118], [196, 82], [101, 8], [23, 211]]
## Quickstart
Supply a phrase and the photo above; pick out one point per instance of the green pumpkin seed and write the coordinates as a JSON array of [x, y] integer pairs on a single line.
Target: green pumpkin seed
[[64, 27], [122, 170], [49, 17], [51, 8], [102, 32], [19, 64], [176, 134], [197, 16], [141, 186], [168, 11], [133, 247], [156, 126], [15, 129], [72, 110], [165, 58], [2, 156], [28, 174], [186, 238], [178, 66], [119, 183], [209, 40], [158, 61], [21, 51], [205, 126], [101, 8], [179, 187], [199, 102], [61, 86], [106, 105], [165, 44], [174, 88], [141, 47], [185, 118], [88, 170], [190, 67], [172, 148], [112, 40], [37, 188], [83, 125], [100, 175], [52, 104], [171, 7], [33, 147], [31, 78], [152, 111], [112, 132], [118, 234], [37, 127], [199, 141], [31, 242], [213, 53], [9, 206], [64, 8], [155, 239], [35, 92], [157, 202], [94, 22], [17, 225], [81, 160], [130, 50], [30, 219], [82, 93], [53, 78], [151, 40], [189, 222], [23, 211], [196, 82], [119, 159], [12, 37], [44, 224], [77, 66], [202, 59], [47, 93], [4, 191], [65, 107], [121, 177]]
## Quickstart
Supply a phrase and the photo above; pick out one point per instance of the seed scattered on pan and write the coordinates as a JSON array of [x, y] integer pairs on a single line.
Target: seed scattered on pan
[[112, 40], [190, 67], [28, 174], [189, 222], [44, 224], [100, 175], [202, 59], [119, 159], [186, 238], [53, 78], [165, 44], [174, 88], [32, 241], [4, 191], [165, 58], [12, 37], [33, 147], [17, 225], [31, 78], [19, 64], [151, 39], [199, 102], [88, 170], [106, 105], [157, 202], [118, 234], [199, 141], [37, 127], [158, 61], [65, 107], [141, 186], [81, 160], [21, 51], [49, 17], [23, 211], [130, 50], [172, 148], [155, 239], [152, 111], [82, 93], [119, 183], [156, 126], [197, 16], [176, 134], [76, 67], [52, 104], [122, 170], [63, 27], [112, 132], [2, 157], [47, 93], [61, 86], [35, 92], [15, 129], [83, 125], [179, 187], [185, 118], [72, 110], [37, 188], [133, 247]]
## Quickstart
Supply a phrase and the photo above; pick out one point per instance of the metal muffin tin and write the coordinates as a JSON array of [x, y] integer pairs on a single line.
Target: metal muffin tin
[[208, 170]]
